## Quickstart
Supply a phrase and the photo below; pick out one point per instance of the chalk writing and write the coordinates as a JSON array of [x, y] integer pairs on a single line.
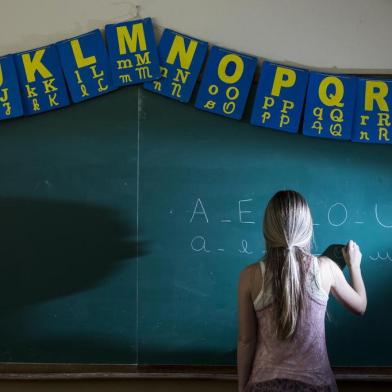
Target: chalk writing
[[198, 244], [381, 257], [244, 249], [341, 206]]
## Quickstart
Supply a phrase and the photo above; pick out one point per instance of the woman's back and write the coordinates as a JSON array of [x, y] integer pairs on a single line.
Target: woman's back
[[303, 357], [281, 336]]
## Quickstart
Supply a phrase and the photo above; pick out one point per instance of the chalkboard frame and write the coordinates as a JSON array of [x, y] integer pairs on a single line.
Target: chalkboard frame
[[65, 371]]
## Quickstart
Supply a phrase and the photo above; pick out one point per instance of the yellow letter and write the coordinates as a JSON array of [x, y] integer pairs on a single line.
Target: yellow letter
[[331, 99], [48, 84], [4, 98], [364, 119], [209, 104], [379, 96], [178, 49], [143, 59], [239, 68], [336, 115], [1, 76], [213, 89], [235, 94], [176, 91], [31, 66], [31, 91], [383, 133], [284, 77], [229, 107], [383, 119], [284, 120], [265, 116], [157, 85], [287, 105], [124, 38], [268, 102], [363, 135], [81, 61], [181, 74]]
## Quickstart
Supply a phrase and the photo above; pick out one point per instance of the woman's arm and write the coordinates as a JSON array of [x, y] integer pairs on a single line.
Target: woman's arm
[[247, 327], [352, 297]]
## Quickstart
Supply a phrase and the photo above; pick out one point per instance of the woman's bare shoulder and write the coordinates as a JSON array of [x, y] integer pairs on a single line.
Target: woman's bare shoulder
[[325, 262], [251, 268], [326, 266]]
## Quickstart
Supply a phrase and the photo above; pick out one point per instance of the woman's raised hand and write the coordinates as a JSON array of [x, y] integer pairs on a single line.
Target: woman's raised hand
[[352, 254]]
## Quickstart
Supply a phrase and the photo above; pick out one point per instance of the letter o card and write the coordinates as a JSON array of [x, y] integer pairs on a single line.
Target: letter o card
[[226, 82], [279, 97]]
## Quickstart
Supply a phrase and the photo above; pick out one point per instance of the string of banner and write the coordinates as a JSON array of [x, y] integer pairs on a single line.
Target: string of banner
[[335, 106]]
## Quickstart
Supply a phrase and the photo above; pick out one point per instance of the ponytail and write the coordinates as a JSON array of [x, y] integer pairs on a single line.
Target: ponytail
[[288, 294], [288, 231]]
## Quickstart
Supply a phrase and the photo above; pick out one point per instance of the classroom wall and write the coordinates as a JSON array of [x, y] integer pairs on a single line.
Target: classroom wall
[[342, 34], [346, 34]]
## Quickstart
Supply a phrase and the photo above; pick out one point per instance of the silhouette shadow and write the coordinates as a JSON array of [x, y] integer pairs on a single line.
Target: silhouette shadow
[[334, 252], [53, 249]]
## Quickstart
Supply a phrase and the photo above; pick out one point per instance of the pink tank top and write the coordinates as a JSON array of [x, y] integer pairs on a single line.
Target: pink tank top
[[305, 357]]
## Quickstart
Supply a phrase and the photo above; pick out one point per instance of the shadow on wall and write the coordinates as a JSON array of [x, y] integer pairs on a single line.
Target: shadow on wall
[[53, 249]]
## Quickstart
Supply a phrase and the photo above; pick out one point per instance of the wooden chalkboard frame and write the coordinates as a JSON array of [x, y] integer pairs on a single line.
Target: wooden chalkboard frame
[[71, 371]]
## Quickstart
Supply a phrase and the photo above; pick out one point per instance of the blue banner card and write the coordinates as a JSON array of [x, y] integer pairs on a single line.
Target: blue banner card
[[42, 81], [133, 52], [86, 65], [226, 82], [279, 97], [10, 98], [181, 58], [372, 119], [329, 106]]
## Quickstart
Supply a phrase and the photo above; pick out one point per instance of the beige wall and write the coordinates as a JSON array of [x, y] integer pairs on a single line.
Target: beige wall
[[346, 34]]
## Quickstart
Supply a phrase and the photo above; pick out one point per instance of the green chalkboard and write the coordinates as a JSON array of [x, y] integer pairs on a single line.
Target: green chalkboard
[[126, 220]]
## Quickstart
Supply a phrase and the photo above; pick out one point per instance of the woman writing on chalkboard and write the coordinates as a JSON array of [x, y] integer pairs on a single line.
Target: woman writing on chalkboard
[[282, 302]]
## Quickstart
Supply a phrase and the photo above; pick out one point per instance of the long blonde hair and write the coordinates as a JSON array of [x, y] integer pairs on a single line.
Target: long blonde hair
[[288, 232]]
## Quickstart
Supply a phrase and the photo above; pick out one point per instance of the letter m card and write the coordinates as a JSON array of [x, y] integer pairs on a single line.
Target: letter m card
[[133, 52]]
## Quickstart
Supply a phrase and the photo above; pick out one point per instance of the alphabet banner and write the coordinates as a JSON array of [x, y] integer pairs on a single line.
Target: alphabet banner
[[226, 82], [86, 65], [181, 60], [10, 99], [329, 108], [132, 51], [288, 99], [279, 97], [41, 79], [372, 115]]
